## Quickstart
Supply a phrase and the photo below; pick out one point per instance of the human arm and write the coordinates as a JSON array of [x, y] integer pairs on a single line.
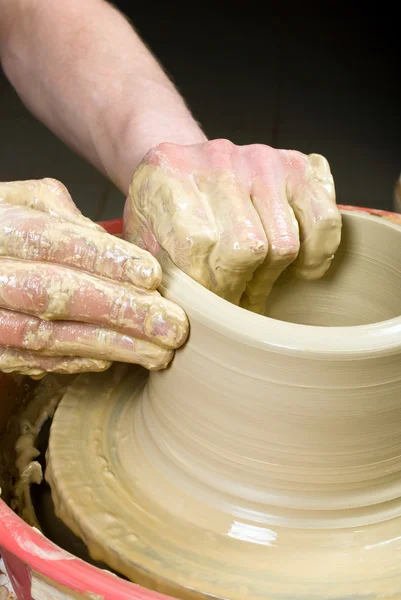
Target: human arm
[[82, 70]]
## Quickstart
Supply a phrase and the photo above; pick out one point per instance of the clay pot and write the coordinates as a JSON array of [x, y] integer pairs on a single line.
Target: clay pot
[[267, 458]]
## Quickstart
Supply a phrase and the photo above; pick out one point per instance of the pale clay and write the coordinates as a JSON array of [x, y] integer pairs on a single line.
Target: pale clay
[[265, 462]]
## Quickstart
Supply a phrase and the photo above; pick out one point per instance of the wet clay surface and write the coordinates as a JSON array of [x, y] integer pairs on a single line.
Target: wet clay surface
[[265, 462]]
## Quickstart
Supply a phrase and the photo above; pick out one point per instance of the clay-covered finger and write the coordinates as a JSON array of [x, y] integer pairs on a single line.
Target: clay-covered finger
[[241, 241], [57, 293], [167, 210], [46, 195], [281, 229], [66, 338], [36, 366], [32, 235], [189, 202], [319, 219]]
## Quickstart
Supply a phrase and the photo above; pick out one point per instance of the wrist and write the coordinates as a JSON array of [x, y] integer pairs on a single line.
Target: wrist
[[146, 128]]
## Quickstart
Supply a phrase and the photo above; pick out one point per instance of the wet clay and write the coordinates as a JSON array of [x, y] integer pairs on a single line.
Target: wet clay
[[19, 441], [265, 462]]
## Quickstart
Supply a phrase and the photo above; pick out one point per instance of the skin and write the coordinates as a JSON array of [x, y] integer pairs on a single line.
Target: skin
[[70, 290], [84, 72], [234, 217]]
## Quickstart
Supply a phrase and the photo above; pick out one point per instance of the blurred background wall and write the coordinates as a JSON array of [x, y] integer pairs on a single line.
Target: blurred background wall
[[316, 77]]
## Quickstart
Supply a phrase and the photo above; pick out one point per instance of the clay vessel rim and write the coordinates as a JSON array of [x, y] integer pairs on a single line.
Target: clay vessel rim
[[259, 331]]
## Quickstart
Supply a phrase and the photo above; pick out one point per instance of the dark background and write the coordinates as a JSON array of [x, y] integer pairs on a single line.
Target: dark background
[[315, 77]]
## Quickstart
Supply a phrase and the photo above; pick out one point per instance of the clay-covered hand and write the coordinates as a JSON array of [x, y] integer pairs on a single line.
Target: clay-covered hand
[[234, 217], [72, 297]]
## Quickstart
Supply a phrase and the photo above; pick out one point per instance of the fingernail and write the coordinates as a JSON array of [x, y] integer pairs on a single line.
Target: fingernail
[[152, 357], [167, 325], [144, 272]]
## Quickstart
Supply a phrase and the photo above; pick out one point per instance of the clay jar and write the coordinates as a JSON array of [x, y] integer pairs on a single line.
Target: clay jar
[[266, 461]]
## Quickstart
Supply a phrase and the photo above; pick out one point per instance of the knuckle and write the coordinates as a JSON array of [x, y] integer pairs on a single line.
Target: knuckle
[[154, 157], [51, 182], [284, 250], [260, 153], [54, 186], [320, 167], [201, 240], [220, 145], [159, 154], [220, 152], [295, 160], [251, 251], [163, 148], [330, 219], [295, 156], [188, 249]]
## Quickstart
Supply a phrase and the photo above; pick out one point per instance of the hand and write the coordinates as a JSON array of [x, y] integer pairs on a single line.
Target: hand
[[234, 217], [72, 297]]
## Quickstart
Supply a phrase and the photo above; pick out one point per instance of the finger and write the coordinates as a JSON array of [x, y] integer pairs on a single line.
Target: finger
[[65, 338], [57, 293], [32, 235], [46, 195], [171, 210], [36, 366], [242, 243], [319, 219], [281, 229]]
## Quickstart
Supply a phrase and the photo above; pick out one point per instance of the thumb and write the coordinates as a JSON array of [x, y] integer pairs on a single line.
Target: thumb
[[45, 195]]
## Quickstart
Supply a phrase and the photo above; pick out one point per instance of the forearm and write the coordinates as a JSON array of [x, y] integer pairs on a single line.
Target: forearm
[[84, 72]]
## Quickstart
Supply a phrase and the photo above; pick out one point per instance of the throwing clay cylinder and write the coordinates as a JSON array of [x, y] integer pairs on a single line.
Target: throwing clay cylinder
[[265, 462]]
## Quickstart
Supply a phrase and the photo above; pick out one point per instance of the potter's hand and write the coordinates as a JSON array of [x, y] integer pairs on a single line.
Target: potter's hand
[[72, 297], [232, 217]]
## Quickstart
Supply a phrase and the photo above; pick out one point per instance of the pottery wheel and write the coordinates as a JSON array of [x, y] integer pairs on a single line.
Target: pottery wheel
[[111, 488], [265, 463]]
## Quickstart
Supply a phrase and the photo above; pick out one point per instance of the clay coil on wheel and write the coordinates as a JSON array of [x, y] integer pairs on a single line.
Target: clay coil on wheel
[[265, 462]]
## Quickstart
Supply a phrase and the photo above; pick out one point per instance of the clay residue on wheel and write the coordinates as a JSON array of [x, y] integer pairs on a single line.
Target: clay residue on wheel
[[27, 423], [15, 396]]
